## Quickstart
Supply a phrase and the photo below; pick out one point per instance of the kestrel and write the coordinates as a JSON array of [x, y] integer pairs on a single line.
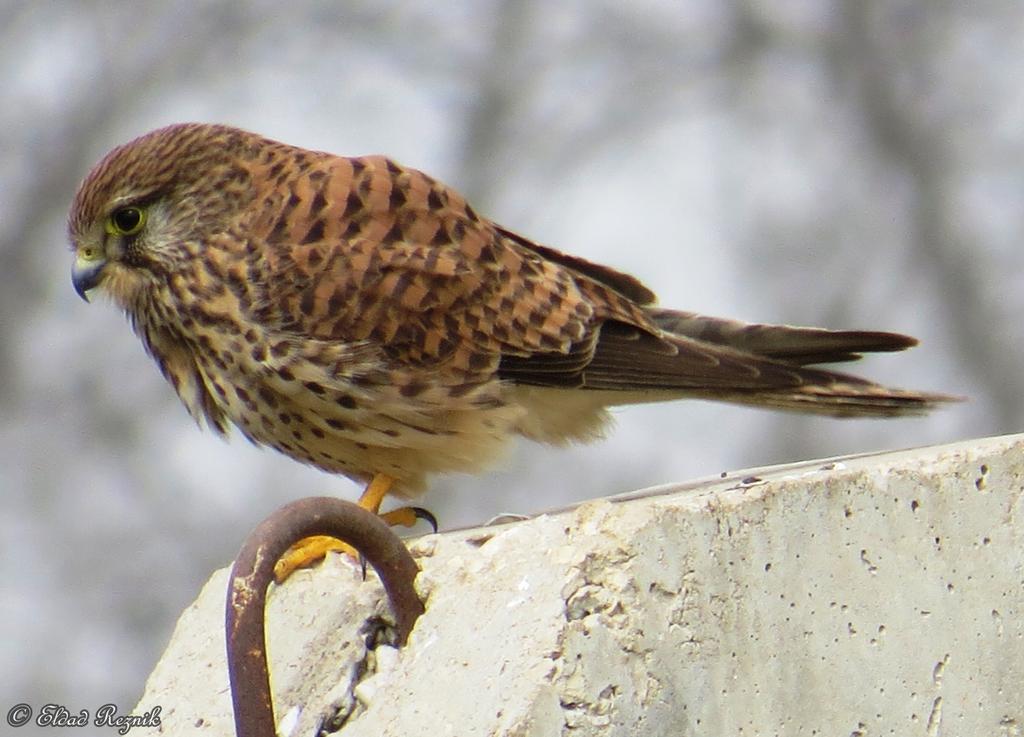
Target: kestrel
[[359, 316]]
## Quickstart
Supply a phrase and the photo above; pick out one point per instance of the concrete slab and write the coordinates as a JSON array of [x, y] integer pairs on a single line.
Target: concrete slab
[[871, 595]]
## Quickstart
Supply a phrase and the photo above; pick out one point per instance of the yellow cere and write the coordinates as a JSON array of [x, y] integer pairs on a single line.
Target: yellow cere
[[89, 253]]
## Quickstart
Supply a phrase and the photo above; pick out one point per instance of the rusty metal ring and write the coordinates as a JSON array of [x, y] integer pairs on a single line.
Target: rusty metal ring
[[253, 571]]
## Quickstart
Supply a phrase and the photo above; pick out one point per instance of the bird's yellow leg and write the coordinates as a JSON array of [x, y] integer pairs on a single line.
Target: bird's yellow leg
[[375, 492], [401, 517], [311, 549]]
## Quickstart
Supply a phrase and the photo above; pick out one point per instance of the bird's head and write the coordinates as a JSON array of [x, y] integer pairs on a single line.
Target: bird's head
[[143, 212]]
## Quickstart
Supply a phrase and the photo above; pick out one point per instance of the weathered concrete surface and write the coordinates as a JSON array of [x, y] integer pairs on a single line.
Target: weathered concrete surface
[[878, 595]]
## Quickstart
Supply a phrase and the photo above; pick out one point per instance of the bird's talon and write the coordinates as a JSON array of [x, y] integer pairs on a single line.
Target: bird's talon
[[308, 551], [426, 516], [408, 517]]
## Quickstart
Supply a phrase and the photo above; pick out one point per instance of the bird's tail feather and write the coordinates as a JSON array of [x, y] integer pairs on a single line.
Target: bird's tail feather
[[760, 365], [796, 345]]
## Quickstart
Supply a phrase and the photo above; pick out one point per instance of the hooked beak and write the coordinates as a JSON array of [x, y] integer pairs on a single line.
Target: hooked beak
[[85, 275]]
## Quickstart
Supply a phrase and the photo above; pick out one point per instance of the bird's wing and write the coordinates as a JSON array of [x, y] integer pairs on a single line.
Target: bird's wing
[[364, 250], [361, 249]]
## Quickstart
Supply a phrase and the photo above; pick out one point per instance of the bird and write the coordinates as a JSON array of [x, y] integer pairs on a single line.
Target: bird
[[361, 317]]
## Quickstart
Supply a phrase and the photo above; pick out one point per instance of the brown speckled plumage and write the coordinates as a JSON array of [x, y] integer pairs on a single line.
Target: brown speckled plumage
[[359, 316]]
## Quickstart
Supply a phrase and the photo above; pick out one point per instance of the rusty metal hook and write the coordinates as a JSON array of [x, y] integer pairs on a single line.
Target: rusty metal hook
[[253, 571]]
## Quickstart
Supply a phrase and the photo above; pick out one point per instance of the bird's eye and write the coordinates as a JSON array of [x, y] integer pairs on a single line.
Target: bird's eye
[[126, 220]]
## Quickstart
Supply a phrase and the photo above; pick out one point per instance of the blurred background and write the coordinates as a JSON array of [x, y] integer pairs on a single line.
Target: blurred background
[[843, 163]]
